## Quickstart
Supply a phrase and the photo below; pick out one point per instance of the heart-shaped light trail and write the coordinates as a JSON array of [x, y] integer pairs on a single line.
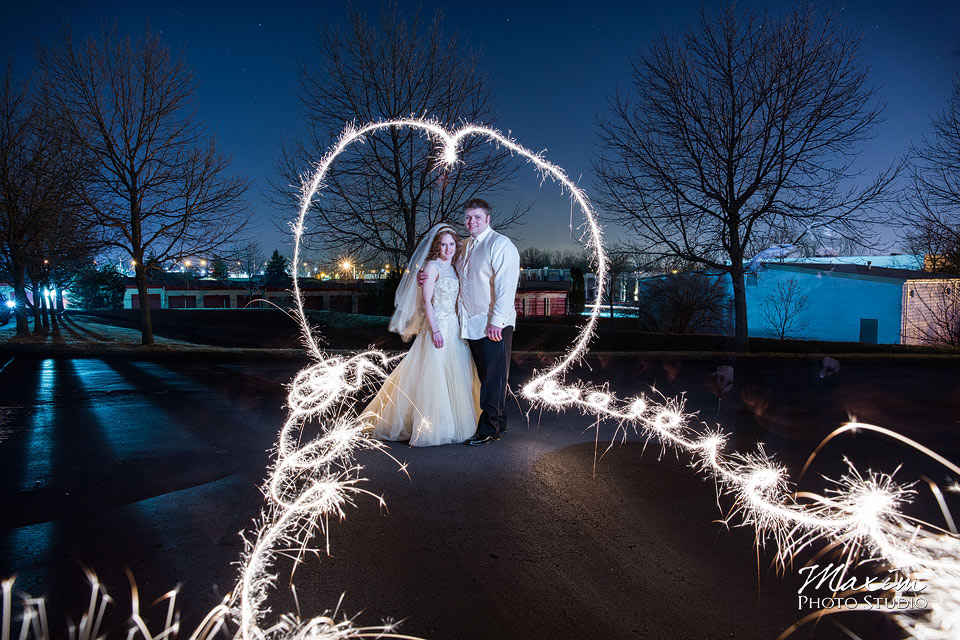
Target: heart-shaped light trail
[[310, 482]]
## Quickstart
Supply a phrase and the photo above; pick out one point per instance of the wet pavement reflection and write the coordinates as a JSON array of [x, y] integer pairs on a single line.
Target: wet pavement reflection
[[156, 465]]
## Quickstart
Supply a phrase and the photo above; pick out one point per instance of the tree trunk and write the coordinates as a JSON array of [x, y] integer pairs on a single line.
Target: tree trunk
[[20, 296], [37, 322], [54, 323], [45, 311], [140, 272], [610, 298], [739, 308], [146, 324]]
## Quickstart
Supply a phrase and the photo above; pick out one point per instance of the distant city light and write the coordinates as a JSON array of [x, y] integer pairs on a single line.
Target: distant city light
[[345, 265], [312, 480]]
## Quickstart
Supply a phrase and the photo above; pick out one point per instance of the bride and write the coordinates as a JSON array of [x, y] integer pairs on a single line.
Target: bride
[[433, 395]]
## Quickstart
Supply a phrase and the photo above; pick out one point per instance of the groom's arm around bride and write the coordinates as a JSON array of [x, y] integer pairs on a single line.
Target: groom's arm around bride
[[489, 271]]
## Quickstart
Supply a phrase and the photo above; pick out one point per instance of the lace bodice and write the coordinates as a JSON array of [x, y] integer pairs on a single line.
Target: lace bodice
[[445, 297]]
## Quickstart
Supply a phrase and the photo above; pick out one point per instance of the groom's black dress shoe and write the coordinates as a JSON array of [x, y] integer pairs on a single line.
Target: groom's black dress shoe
[[481, 439]]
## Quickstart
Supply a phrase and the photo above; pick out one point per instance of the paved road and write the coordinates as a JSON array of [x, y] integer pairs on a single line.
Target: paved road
[[155, 466]]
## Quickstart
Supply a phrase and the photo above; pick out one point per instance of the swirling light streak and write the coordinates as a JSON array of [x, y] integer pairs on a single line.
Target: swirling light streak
[[864, 512], [310, 482]]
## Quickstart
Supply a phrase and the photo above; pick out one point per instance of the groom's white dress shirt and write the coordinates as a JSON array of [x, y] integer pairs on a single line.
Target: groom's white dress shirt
[[489, 269]]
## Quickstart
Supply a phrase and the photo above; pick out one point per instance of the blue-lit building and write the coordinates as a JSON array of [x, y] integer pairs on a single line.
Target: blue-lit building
[[842, 302], [871, 299]]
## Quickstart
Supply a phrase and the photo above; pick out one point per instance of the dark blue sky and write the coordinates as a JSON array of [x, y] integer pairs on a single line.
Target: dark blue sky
[[553, 63]]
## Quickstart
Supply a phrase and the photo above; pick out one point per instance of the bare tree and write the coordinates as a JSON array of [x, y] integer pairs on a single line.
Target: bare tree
[[65, 238], [932, 205], [784, 309], [783, 243], [40, 182], [160, 188], [533, 258], [567, 259], [383, 195], [250, 261], [19, 160], [936, 238], [684, 303], [742, 123], [620, 262], [932, 313], [248, 257]]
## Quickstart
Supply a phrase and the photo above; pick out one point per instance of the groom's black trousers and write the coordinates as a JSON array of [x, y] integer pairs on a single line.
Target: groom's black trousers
[[493, 369]]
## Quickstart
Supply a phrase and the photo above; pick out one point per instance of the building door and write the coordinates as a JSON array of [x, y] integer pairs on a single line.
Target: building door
[[868, 330], [182, 302], [213, 301], [558, 306], [153, 299]]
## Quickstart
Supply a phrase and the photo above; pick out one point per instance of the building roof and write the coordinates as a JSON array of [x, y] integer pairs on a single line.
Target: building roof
[[861, 270], [544, 286], [892, 261], [208, 284]]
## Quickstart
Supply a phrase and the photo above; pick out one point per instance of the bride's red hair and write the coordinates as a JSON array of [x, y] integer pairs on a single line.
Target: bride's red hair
[[434, 252]]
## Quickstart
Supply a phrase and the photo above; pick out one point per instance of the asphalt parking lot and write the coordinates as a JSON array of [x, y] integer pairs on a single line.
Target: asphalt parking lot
[[155, 465]]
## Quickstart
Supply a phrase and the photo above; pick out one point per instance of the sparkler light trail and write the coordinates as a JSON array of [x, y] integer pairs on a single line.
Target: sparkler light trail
[[314, 478], [317, 479], [863, 513]]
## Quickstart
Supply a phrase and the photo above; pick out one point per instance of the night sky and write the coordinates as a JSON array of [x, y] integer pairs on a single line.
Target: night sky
[[553, 63]]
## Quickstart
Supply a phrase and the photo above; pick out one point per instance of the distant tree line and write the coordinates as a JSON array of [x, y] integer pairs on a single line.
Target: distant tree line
[[932, 202], [102, 152], [534, 258], [738, 132]]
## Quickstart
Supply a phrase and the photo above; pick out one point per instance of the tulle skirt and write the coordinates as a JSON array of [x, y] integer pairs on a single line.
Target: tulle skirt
[[432, 397]]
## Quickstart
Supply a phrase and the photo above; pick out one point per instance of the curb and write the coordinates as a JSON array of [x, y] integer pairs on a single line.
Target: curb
[[198, 351]]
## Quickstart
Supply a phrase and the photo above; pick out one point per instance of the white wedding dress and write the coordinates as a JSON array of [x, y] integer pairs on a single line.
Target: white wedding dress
[[433, 396]]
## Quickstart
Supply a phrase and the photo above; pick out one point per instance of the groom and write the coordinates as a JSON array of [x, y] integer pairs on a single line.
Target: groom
[[489, 270]]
